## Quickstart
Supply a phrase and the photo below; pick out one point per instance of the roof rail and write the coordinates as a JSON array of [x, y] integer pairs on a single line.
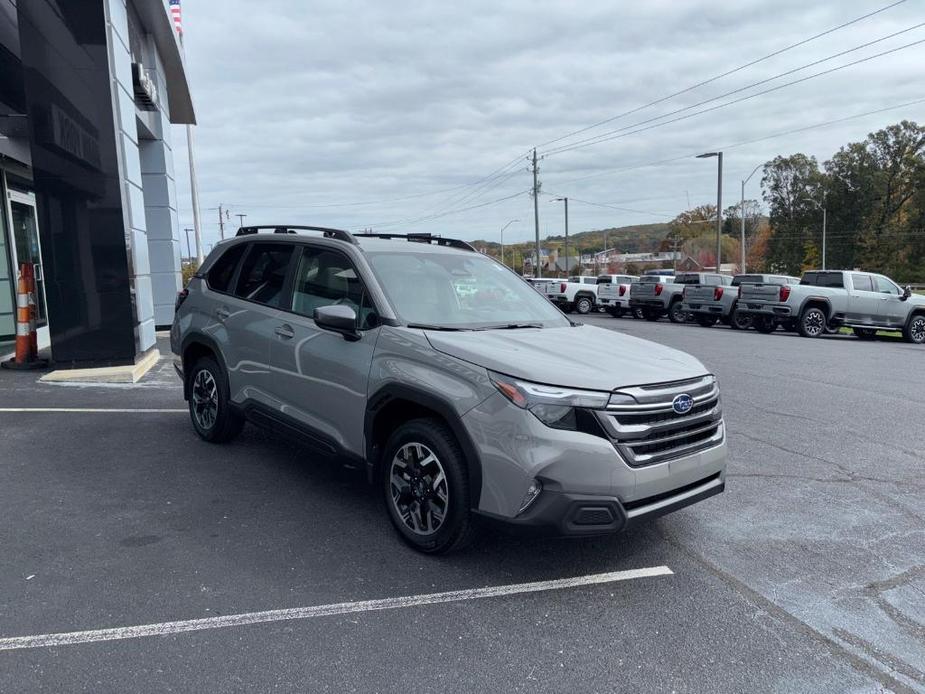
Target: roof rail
[[328, 233], [421, 238]]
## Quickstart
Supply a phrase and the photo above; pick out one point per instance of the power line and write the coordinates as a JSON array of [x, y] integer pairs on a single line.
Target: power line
[[620, 132], [661, 215], [445, 214], [783, 133], [720, 76]]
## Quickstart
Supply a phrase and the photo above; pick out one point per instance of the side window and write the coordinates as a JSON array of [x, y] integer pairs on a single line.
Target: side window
[[263, 273], [861, 282], [326, 278], [884, 286], [219, 277]]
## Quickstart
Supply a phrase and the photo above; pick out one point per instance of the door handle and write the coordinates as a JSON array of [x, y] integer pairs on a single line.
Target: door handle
[[222, 313], [285, 332]]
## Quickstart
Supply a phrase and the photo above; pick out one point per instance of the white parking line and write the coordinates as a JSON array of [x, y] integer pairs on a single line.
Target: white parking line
[[89, 409], [234, 620]]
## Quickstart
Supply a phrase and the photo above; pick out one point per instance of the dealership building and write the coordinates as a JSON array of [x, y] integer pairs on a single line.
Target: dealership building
[[88, 92]]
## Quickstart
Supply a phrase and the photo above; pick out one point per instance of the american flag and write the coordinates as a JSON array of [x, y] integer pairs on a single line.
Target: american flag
[[177, 15]]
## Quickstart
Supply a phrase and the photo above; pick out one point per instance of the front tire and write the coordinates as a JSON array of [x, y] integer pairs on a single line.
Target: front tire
[[914, 331], [813, 322], [638, 314], [650, 314], [615, 312], [706, 321], [210, 403], [426, 487], [764, 324], [583, 305]]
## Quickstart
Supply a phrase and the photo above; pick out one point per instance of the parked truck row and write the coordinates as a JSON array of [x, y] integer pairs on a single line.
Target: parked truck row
[[820, 302]]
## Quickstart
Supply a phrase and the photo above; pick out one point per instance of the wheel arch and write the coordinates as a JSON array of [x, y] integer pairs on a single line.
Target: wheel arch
[[394, 404], [817, 302], [194, 347]]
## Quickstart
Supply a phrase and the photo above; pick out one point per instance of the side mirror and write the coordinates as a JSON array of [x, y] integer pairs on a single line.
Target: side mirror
[[907, 292], [339, 319]]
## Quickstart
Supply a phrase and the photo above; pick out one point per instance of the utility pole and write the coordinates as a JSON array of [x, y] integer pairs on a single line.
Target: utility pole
[[240, 219], [538, 271], [823, 232], [189, 252], [742, 216], [221, 222], [606, 263]]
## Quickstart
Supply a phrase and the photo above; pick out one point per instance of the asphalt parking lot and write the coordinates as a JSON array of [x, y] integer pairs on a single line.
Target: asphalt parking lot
[[808, 574]]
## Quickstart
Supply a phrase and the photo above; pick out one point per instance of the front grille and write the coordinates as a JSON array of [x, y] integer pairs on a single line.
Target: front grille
[[650, 431]]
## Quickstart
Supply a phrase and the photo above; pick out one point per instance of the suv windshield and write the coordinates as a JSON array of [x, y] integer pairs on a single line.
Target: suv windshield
[[463, 291]]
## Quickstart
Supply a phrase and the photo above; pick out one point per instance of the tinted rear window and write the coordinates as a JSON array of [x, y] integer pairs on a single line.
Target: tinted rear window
[[823, 279], [687, 279], [747, 279], [264, 273], [219, 277], [650, 279]]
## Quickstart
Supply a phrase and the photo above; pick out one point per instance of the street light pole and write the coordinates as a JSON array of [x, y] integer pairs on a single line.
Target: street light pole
[[719, 203], [742, 215], [189, 251], [502, 237], [565, 200], [823, 232]]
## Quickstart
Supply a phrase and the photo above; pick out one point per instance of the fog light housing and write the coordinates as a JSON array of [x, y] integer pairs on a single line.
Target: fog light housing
[[533, 491]]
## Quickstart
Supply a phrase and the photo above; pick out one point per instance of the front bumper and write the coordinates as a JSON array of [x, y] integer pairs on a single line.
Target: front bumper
[[588, 486], [564, 514]]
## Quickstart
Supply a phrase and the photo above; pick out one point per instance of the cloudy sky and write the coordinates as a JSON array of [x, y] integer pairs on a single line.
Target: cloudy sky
[[419, 116]]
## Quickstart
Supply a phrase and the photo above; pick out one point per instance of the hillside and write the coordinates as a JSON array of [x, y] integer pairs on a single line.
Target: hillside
[[639, 238]]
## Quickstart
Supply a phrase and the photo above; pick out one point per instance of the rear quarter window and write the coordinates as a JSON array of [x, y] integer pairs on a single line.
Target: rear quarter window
[[823, 279], [220, 276]]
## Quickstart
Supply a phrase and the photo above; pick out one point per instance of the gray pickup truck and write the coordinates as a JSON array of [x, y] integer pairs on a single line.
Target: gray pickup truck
[[711, 303], [829, 299], [660, 295]]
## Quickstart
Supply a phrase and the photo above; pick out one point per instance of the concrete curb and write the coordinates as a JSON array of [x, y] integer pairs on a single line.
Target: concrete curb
[[107, 374]]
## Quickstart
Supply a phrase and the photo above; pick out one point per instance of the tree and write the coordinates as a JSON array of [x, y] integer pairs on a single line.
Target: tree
[[792, 186], [732, 221]]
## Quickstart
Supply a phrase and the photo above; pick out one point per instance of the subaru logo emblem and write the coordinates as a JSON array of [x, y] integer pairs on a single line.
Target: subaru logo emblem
[[682, 404]]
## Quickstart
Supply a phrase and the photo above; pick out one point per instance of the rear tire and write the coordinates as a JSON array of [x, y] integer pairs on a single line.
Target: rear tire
[[676, 314], [210, 403], [583, 305], [739, 320], [914, 331], [813, 322], [425, 486], [865, 333], [764, 324]]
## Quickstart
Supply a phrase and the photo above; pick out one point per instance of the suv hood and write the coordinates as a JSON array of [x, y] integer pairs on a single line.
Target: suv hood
[[576, 357]]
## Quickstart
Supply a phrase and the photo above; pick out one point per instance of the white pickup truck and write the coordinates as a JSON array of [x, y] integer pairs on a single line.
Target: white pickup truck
[[613, 293], [577, 294], [828, 299]]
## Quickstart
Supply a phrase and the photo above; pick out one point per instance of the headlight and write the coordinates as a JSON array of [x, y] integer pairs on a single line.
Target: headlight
[[554, 406]]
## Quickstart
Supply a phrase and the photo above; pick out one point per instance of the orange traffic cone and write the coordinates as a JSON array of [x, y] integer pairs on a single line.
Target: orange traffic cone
[[26, 337]]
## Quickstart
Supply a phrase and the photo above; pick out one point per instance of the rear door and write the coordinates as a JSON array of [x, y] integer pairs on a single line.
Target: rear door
[[320, 378], [863, 301], [247, 318]]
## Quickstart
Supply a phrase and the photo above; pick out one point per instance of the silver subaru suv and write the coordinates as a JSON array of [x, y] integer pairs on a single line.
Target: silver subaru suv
[[464, 393]]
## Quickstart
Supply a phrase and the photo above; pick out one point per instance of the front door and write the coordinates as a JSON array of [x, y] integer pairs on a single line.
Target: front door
[[319, 377], [26, 248]]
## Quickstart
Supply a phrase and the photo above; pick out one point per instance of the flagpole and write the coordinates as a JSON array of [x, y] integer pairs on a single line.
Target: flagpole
[[193, 185]]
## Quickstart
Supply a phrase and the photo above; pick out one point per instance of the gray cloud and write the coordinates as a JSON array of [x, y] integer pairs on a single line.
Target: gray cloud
[[302, 105]]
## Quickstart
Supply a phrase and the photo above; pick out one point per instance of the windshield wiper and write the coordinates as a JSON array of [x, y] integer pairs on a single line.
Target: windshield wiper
[[426, 326], [512, 326]]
